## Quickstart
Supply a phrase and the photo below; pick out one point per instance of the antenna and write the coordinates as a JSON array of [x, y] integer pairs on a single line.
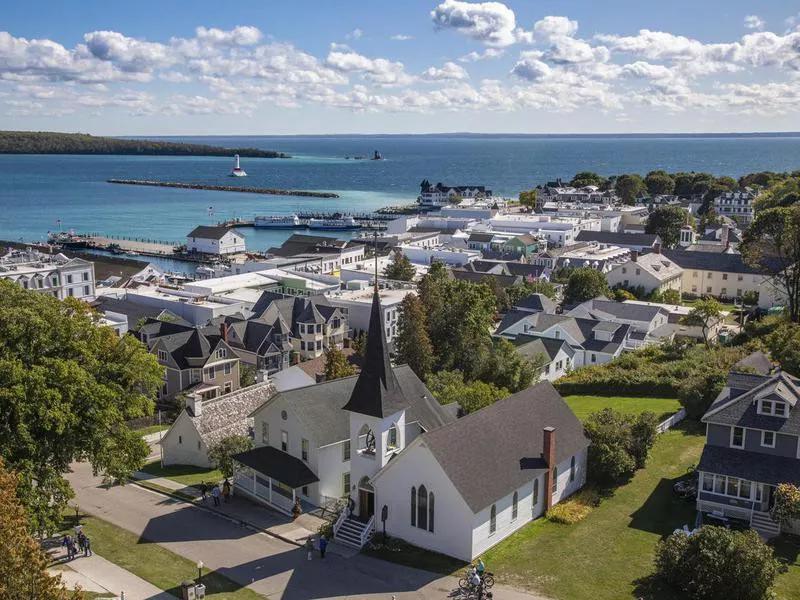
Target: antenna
[[375, 236]]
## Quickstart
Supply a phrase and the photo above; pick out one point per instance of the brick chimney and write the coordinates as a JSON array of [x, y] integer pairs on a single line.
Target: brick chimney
[[224, 331], [549, 456], [634, 255]]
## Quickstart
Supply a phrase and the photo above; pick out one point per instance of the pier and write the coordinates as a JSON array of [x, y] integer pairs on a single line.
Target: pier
[[225, 188], [366, 221]]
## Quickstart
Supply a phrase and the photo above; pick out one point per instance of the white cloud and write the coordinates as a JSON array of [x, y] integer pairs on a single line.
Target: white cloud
[[401, 37], [449, 71], [380, 71], [239, 36], [492, 23], [549, 27], [531, 67], [754, 22], [488, 53], [129, 54], [354, 35]]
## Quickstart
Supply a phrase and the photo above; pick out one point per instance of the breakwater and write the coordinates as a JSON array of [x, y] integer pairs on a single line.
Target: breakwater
[[225, 188]]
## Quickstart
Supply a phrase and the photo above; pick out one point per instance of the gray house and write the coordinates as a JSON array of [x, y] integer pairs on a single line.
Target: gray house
[[752, 445]]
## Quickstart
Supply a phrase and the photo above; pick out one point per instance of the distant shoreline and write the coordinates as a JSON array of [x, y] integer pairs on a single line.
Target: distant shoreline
[[464, 134]]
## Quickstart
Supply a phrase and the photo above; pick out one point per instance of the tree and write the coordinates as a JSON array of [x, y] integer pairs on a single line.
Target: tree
[[221, 453], [708, 219], [247, 375], [666, 222], [785, 192], [628, 187], [669, 296], [585, 178], [621, 294], [786, 507], [413, 344], [772, 245], [507, 368], [67, 386], [449, 386], [784, 346], [705, 313], [528, 198], [518, 291], [716, 563], [644, 430], [659, 183], [23, 564], [400, 269], [337, 365], [750, 298], [620, 444], [584, 284], [360, 344], [502, 303]]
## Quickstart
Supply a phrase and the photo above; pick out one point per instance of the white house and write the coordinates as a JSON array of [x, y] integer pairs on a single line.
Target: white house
[[736, 203], [215, 240], [558, 354], [653, 272], [203, 423], [55, 275]]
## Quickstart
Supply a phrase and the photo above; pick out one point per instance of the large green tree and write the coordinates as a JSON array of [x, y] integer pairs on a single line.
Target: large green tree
[[528, 198], [705, 313], [400, 268], [67, 386], [585, 178], [507, 368], [659, 183], [772, 244], [784, 192], [628, 187], [413, 344], [221, 453], [449, 386], [666, 222], [584, 284], [337, 365], [518, 291]]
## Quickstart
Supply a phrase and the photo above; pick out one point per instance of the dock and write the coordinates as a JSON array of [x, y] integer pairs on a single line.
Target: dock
[[366, 221], [225, 188]]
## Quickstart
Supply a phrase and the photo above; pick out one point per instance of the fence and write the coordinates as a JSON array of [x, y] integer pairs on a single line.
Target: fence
[[672, 421], [160, 417]]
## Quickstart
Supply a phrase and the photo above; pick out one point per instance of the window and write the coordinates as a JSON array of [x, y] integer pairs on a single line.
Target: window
[[708, 482], [766, 407], [198, 444], [594, 357], [304, 490], [227, 388], [514, 505], [162, 356], [285, 441], [738, 291], [638, 271], [624, 270], [40, 284], [709, 275], [708, 289], [737, 437], [302, 345], [392, 437], [744, 488], [780, 409], [71, 292], [768, 439], [413, 506], [211, 373], [740, 278], [572, 469], [180, 439], [69, 278], [54, 281], [536, 491], [346, 451], [694, 274], [724, 277], [264, 432], [85, 290], [554, 488], [558, 334], [228, 368], [346, 484], [723, 292], [86, 276], [430, 512], [719, 485], [221, 353], [304, 450], [422, 507], [493, 519]]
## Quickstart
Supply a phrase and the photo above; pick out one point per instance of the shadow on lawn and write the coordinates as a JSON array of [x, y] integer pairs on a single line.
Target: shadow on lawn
[[654, 588], [663, 511]]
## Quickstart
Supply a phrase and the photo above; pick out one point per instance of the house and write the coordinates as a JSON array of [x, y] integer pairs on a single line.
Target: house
[[55, 275], [644, 319], [203, 423], [752, 445], [714, 239], [593, 255], [536, 303], [736, 204], [525, 245], [441, 195], [206, 239], [558, 354], [653, 272], [724, 276], [640, 242], [332, 254], [529, 273], [356, 304], [447, 493]]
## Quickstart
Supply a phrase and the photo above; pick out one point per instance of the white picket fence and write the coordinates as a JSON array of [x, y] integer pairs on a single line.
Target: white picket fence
[[672, 421]]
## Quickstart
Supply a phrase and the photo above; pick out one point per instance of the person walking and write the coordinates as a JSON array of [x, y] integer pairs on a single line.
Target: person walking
[[323, 545], [296, 510], [309, 546], [87, 546], [215, 494], [226, 490], [71, 552], [351, 504], [203, 491]]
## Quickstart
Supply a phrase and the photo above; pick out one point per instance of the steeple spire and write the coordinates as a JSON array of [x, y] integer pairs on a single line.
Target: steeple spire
[[375, 237]]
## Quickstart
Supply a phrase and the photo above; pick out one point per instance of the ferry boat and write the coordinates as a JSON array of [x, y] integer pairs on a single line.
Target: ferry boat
[[237, 171], [340, 224], [290, 222]]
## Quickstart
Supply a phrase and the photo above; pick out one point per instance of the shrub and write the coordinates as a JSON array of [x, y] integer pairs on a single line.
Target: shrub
[[787, 503], [716, 563], [574, 509], [619, 445]]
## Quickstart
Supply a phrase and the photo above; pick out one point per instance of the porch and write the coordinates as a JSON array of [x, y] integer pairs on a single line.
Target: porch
[[723, 499]]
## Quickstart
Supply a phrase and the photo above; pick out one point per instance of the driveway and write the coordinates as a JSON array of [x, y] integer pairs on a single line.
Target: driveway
[[261, 562]]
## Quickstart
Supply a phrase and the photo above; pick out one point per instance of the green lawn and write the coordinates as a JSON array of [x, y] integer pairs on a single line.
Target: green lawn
[[787, 548], [583, 406], [185, 474], [151, 429], [153, 563]]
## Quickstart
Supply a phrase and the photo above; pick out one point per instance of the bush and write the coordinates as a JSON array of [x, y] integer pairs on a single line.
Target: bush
[[717, 564], [574, 509], [619, 444], [787, 503]]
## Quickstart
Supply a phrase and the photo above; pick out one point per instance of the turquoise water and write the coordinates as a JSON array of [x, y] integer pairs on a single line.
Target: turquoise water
[[36, 191]]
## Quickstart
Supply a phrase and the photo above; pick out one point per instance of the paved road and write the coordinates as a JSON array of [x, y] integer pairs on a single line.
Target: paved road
[[263, 563]]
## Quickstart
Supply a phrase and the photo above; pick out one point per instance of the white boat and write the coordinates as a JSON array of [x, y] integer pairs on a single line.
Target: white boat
[[237, 171], [287, 222], [342, 224]]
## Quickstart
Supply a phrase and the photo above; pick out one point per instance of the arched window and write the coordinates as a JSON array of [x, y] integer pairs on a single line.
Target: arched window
[[366, 441], [493, 520], [391, 438], [572, 469], [422, 508], [554, 487], [430, 512], [413, 507], [536, 491], [514, 507]]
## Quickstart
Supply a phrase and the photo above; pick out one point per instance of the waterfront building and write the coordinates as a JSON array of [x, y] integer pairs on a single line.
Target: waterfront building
[[215, 240], [53, 274], [433, 196]]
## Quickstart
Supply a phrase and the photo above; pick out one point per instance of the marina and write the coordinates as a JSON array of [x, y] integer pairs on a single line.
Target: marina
[[320, 221]]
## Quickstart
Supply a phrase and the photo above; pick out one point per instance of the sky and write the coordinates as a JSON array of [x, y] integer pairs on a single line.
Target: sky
[[197, 67]]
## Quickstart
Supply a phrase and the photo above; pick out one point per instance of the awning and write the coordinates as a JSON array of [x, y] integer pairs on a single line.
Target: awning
[[277, 465]]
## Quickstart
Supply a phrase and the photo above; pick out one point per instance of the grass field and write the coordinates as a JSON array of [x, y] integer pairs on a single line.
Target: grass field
[[185, 474], [153, 563], [583, 406]]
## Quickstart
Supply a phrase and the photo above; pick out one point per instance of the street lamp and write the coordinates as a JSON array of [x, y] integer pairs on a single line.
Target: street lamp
[[199, 571]]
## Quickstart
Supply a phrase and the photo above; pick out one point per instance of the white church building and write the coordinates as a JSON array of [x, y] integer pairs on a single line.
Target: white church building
[[455, 486]]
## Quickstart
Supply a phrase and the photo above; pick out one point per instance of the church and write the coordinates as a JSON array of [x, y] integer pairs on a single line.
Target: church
[[452, 485]]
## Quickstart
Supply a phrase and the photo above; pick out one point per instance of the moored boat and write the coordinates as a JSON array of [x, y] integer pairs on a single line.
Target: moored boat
[[283, 222], [341, 224]]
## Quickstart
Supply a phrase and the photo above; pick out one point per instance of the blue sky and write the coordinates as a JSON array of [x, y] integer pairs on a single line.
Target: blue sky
[[415, 66]]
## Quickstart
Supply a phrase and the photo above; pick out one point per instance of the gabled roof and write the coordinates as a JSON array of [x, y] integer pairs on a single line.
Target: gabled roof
[[209, 233], [611, 237], [477, 236], [537, 303], [188, 348], [505, 281], [710, 261], [497, 449], [532, 346], [757, 361], [601, 309], [658, 265], [376, 392]]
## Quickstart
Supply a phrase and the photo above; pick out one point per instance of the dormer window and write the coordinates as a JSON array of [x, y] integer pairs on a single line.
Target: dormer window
[[221, 353], [780, 409], [772, 408]]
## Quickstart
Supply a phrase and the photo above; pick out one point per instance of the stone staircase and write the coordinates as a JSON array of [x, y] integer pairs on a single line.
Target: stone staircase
[[764, 525], [351, 531]]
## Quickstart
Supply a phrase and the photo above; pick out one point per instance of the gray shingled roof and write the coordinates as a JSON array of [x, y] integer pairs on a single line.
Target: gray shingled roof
[[753, 466], [532, 346], [537, 302], [612, 237], [209, 232], [627, 311], [711, 261], [497, 449], [230, 414], [758, 361]]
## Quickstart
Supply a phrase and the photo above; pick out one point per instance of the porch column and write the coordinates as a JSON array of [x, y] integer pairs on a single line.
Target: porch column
[[293, 497], [270, 489], [255, 493]]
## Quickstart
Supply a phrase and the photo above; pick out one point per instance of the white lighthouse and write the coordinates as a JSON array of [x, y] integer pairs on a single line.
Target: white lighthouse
[[237, 171]]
